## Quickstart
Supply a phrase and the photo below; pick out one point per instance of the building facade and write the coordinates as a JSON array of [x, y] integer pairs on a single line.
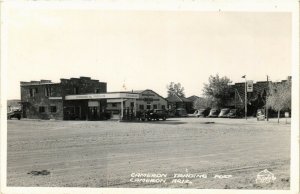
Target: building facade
[[147, 100], [175, 102], [46, 100], [255, 99]]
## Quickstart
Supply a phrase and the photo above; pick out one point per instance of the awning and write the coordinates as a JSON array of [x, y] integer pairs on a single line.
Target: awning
[[115, 100]]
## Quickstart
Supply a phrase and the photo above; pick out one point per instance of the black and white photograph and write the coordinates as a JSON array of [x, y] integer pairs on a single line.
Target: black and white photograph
[[184, 97]]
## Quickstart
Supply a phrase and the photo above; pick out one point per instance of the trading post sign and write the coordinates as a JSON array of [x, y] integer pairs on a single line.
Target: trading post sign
[[250, 86]]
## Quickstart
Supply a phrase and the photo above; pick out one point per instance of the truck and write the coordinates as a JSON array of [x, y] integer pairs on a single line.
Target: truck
[[155, 114], [14, 114]]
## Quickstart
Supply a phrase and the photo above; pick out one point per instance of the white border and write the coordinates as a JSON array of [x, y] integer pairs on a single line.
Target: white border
[[162, 5]]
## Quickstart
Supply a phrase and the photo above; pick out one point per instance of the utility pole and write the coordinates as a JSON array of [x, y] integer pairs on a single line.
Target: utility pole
[[245, 96], [267, 92]]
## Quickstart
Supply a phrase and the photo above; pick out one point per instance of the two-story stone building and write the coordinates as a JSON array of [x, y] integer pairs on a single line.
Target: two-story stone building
[[46, 100]]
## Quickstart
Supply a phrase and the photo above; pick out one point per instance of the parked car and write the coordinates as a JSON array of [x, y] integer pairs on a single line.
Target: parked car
[[157, 114], [203, 112], [14, 114], [213, 112], [260, 114], [181, 112], [232, 113], [149, 115], [224, 112], [236, 113]]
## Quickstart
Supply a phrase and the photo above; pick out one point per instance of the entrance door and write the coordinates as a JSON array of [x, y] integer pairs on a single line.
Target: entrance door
[[93, 113]]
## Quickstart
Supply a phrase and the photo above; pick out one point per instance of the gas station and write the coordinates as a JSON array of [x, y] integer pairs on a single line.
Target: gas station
[[90, 106]]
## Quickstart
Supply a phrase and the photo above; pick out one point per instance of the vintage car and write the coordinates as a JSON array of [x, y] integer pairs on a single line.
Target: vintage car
[[213, 113], [203, 112], [224, 112], [155, 114], [14, 114], [181, 112], [260, 114]]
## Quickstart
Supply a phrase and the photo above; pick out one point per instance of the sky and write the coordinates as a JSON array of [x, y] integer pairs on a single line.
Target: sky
[[146, 49]]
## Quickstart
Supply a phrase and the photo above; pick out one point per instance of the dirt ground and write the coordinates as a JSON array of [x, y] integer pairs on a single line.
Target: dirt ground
[[177, 153]]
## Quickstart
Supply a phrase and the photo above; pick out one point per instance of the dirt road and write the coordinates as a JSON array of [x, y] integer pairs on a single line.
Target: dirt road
[[123, 154]]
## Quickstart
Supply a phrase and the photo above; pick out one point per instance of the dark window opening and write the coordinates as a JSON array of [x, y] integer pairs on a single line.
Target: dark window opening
[[41, 109], [114, 104], [76, 90], [97, 91], [131, 104], [148, 106], [154, 106], [53, 109], [33, 91], [48, 91], [163, 107], [141, 107]]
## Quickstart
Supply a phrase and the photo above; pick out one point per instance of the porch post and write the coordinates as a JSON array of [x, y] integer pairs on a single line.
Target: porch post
[[135, 107], [121, 109]]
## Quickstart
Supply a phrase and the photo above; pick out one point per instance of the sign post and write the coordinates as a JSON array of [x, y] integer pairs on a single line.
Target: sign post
[[245, 96]]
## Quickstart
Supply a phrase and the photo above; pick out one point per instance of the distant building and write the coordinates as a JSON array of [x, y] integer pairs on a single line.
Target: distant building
[[13, 105], [147, 100], [194, 99], [175, 102], [47, 100], [255, 100], [83, 99]]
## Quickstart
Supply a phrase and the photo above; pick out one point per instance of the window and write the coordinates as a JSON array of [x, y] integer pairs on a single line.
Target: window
[[163, 107], [76, 90], [53, 109], [154, 106], [131, 104], [97, 91], [41, 109], [141, 107], [148, 106], [48, 91], [114, 104], [33, 91]]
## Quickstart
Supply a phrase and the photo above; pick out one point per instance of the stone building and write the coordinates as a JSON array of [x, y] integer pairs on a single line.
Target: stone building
[[255, 100], [46, 100]]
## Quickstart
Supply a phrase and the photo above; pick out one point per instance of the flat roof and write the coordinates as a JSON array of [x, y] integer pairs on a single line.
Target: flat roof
[[109, 95]]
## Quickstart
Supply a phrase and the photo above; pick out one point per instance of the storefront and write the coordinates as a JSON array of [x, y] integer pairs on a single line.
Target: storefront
[[147, 100], [93, 106]]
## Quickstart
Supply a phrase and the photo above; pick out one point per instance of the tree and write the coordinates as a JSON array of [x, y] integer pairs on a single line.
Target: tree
[[217, 90], [203, 103], [174, 88], [280, 97]]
